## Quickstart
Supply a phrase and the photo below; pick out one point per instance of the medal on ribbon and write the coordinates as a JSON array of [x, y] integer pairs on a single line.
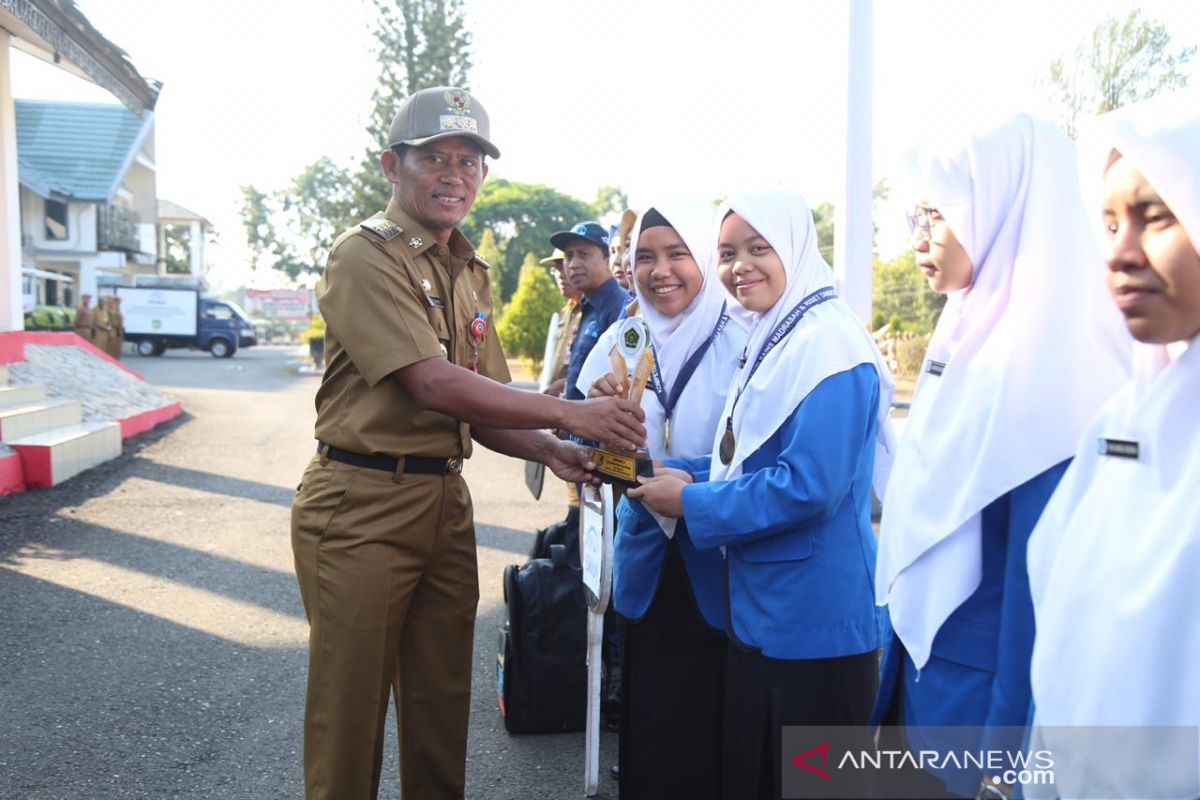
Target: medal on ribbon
[[477, 330], [728, 445]]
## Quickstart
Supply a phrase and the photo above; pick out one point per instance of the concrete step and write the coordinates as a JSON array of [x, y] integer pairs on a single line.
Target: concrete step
[[22, 421], [53, 456], [14, 396], [3, 374]]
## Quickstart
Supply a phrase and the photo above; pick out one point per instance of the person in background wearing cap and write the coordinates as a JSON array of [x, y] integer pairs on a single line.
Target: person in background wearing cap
[[382, 527], [585, 258], [568, 322], [568, 326]]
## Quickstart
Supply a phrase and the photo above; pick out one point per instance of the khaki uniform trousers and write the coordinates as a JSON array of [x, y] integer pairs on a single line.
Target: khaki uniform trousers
[[388, 575]]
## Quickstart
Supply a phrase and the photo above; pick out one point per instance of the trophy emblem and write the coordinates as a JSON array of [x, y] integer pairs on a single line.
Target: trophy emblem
[[632, 359]]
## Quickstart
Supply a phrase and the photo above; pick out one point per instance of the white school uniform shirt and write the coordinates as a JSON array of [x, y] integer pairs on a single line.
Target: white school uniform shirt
[[1031, 350], [1114, 562]]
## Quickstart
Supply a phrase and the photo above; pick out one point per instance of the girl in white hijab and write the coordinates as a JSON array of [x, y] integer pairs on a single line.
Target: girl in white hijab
[[786, 493], [1114, 564], [1024, 353], [669, 595]]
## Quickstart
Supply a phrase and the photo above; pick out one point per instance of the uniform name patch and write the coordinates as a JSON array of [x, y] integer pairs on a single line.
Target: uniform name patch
[[935, 367], [1119, 448]]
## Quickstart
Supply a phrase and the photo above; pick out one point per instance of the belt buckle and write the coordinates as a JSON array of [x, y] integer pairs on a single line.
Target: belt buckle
[[454, 466]]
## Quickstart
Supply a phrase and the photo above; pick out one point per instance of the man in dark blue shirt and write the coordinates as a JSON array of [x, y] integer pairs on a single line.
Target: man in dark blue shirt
[[585, 259]]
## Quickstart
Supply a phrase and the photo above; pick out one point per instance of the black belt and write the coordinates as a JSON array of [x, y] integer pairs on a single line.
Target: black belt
[[413, 465]]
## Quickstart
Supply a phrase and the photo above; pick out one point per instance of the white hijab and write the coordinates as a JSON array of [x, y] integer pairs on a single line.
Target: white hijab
[[1031, 350], [828, 340], [676, 339], [1114, 561]]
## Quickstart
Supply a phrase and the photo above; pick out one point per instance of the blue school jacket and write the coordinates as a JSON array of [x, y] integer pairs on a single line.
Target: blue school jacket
[[978, 668], [800, 552], [641, 549]]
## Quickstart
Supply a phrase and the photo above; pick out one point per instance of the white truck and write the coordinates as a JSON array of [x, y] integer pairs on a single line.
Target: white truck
[[161, 318]]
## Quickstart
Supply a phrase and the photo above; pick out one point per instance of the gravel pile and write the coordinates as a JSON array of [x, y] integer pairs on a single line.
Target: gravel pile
[[107, 392]]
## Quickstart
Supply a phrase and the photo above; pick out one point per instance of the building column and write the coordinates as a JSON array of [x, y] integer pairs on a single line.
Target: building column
[[12, 314], [196, 244], [852, 229]]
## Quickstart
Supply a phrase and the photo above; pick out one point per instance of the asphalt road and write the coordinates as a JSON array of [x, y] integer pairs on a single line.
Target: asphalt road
[[152, 640]]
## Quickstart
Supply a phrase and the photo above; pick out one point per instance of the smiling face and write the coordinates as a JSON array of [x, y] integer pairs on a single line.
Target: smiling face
[[941, 257], [667, 275], [1153, 267], [748, 265], [436, 184]]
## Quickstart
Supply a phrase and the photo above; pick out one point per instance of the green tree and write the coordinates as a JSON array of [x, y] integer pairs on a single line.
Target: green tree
[[177, 249], [901, 296], [522, 217], [823, 217], [1123, 61], [523, 326], [292, 230], [419, 43], [609, 200]]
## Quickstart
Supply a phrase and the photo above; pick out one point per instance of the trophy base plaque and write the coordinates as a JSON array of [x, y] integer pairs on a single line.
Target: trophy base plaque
[[621, 468]]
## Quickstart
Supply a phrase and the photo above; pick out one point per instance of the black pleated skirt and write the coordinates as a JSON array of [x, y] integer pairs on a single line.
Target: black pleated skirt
[[763, 694], [672, 689]]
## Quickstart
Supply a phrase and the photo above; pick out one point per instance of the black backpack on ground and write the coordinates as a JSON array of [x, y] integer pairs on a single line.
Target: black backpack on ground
[[541, 671]]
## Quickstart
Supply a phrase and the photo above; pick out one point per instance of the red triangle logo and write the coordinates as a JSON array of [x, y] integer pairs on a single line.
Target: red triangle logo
[[823, 749]]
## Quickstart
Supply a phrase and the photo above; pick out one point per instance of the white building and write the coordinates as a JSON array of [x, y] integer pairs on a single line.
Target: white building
[[56, 32], [89, 205]]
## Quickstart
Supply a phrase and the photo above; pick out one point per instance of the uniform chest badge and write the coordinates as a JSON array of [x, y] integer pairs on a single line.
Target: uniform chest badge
[[414, 242], [426, 285], [477, 329]]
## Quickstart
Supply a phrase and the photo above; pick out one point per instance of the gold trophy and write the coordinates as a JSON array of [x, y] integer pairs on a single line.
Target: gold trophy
[[631, 358]]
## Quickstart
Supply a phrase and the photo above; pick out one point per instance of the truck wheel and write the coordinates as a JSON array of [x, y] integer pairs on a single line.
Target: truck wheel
[[220, 348], [147, 348]]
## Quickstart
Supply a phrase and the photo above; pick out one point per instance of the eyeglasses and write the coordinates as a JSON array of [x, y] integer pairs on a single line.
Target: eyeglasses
[[921, 217]]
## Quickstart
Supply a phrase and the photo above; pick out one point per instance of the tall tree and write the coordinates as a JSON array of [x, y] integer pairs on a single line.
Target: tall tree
[[1123, 61], [419, 43], [523, 326]]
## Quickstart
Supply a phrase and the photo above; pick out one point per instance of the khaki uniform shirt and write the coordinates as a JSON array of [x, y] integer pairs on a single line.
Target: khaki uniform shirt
[[392, 296], [568, 326], [83, 321]]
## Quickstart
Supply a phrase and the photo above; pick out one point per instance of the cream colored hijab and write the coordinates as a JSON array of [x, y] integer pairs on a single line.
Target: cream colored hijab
[[1031, 350], [1115, 559]]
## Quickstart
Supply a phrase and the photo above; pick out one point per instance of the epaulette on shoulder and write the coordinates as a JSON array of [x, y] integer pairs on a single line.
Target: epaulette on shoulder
[[383, 227], [479, 260]]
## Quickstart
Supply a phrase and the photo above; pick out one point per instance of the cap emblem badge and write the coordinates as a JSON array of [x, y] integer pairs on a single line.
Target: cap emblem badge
[[458, 101]]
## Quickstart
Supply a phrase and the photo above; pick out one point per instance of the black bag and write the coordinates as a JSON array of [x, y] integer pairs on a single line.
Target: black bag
[[541, 670], [565, 533]]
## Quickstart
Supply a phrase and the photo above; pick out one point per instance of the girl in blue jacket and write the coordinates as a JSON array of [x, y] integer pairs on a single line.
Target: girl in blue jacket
[[786, 493], [669, 595]]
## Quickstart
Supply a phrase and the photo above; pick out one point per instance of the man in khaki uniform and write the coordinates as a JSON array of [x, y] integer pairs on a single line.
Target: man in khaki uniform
[[382, 525], [568, 322], [100, 324], [83, 318], [116, 322]]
